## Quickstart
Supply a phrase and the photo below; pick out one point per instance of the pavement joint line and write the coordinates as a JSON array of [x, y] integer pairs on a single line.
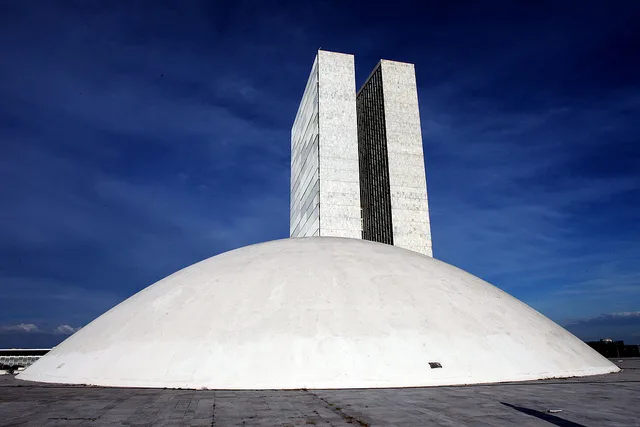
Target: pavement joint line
[[337, 409], [213, 410]]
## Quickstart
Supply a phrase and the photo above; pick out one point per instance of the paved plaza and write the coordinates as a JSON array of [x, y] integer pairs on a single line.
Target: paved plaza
[[608, 400]]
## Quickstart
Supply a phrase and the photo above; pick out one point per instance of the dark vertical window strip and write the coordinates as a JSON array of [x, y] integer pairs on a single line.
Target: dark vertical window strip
[[375, 195]]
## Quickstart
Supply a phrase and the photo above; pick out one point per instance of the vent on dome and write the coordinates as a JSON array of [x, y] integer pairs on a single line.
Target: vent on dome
[[435, 365]]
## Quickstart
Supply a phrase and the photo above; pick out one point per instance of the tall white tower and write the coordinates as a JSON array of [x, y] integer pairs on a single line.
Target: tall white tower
[[393, 183], [325, 182]]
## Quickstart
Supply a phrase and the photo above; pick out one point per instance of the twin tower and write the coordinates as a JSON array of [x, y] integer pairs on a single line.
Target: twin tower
[[357, 165]]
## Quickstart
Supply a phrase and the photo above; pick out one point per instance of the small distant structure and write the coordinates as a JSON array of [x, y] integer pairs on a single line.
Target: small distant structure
[[610, 348], [12, 359]]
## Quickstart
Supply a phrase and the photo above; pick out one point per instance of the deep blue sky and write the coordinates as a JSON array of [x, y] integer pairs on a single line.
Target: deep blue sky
[[138, 137]]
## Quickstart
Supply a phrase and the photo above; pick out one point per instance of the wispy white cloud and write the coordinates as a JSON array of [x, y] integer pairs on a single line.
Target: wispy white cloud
[[22, 327], [28, 328], [65, 330], [604, 318]]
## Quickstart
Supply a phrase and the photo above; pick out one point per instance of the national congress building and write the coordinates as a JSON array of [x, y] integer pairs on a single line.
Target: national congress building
[[357, 164]]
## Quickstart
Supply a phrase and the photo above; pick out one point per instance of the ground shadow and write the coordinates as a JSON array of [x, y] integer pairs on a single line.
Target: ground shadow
[[544, 416]]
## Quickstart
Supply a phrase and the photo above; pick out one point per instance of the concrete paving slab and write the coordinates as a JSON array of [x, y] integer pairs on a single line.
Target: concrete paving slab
[[607, 400]]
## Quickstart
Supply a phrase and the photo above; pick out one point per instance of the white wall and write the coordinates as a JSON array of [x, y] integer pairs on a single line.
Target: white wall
[[305, 186], [339, 176], [325, 182], [407, 179]]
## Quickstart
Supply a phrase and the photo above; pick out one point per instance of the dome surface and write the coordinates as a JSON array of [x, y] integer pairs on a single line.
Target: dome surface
[[317, 312]]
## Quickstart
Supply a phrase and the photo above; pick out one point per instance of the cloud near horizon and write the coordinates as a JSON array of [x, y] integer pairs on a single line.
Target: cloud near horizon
[[32, 328], [65, 330], [22, 327], [29, 335], [623, 326]]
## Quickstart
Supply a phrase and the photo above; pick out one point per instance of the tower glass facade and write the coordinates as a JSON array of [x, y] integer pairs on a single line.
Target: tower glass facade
[[375, 198]]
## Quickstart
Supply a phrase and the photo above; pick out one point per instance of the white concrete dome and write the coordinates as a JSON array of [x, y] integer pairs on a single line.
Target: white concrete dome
[[317, 313]]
